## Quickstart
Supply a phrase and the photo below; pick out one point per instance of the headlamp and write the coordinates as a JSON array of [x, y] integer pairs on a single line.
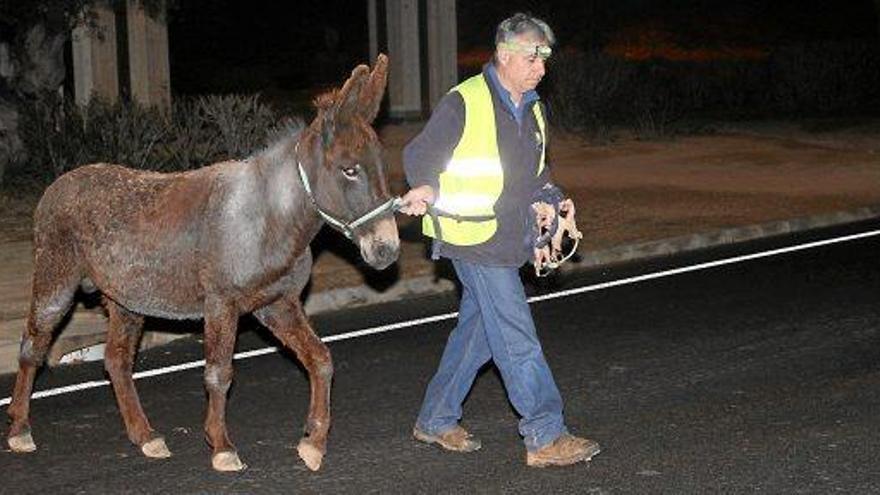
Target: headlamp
[[541, 51]]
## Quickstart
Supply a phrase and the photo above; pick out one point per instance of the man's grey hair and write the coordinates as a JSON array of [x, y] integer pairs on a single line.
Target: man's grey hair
[[519, 24]]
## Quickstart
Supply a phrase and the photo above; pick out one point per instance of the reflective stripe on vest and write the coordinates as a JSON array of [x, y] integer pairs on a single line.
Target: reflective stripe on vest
[[473, 179]]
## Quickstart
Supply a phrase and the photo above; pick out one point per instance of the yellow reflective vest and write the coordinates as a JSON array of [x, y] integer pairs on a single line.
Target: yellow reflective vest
[[473, 179]]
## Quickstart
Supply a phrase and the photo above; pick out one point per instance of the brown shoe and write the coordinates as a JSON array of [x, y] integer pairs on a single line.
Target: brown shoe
[[565, 450], [456, 439]]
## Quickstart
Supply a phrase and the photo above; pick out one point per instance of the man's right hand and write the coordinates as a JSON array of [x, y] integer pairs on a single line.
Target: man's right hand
[[416, 200]]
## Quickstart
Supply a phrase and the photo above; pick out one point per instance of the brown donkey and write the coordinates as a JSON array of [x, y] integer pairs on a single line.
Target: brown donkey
[[213, 243]]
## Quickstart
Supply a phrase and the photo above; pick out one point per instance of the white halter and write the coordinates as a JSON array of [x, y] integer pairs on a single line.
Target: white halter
[[347, 228]]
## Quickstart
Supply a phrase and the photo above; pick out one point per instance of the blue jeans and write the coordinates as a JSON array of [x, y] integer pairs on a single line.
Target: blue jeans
[[494, 322]]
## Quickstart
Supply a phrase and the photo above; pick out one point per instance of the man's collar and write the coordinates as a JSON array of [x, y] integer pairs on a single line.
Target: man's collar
[[527, 97]]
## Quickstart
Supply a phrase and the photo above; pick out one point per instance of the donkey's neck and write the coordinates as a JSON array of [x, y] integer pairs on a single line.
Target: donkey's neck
[[286, 198]]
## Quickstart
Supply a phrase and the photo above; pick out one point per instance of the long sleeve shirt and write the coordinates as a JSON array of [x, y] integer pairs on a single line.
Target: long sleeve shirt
[[519, 145]]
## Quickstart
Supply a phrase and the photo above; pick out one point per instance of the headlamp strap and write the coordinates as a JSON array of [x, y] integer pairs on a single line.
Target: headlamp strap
[[538, 50]]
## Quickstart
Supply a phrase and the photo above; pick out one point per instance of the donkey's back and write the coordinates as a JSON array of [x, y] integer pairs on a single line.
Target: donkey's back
[[97, 199]]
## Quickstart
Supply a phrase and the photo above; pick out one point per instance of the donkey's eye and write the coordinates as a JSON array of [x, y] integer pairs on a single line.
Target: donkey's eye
[[352, 171]]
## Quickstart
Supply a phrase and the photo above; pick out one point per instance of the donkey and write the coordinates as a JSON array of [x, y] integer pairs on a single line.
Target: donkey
[[214, 243]]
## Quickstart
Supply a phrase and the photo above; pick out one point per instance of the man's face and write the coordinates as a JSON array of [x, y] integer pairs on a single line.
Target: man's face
[[521, 62]]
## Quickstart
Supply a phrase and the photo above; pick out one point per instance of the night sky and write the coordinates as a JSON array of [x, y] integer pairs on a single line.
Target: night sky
[[237, 46]]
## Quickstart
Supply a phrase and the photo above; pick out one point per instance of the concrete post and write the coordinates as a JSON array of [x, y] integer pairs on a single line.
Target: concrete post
[[148, 64], [5, 62], [442, 48], [94, 57], [404, 78], [877, 14], [373, 27]]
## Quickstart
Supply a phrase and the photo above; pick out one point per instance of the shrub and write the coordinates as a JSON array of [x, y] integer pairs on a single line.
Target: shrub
[[824, 78], [583, 88], [594, 91], [652, 102], [59, 135], [242, 121]]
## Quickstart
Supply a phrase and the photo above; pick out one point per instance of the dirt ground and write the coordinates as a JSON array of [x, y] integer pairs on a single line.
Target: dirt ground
[[626, 190]]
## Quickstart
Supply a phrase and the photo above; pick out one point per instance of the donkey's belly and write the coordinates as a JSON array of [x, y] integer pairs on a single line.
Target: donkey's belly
[[156, 304], [153, 283], [160, 285], [155, 298]]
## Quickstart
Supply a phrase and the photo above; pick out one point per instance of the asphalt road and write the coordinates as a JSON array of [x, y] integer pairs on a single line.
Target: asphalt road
[[755, 377]]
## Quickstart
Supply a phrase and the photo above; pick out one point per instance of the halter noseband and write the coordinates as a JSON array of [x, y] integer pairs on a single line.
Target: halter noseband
[[347, 228]]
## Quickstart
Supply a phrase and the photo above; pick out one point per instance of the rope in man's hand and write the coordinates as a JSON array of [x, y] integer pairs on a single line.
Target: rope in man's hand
[[553, 224]]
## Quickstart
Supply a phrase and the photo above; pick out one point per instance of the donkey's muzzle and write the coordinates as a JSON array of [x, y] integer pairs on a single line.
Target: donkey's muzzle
[[380, 246], [383, 254]]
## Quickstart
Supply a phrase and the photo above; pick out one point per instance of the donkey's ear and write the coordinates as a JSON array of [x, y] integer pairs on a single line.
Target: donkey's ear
[[339, 105], [346, 104], [374, 90]]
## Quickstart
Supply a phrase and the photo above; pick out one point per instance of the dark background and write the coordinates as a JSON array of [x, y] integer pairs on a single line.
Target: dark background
[[267, 46], [651, 69]]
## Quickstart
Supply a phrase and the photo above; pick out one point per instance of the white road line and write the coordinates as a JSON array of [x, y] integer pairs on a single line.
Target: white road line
[[448, 316], [703, 266]]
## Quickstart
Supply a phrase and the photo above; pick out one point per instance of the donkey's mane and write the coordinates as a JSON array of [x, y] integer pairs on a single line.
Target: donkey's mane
[[281, 136], [326, 99]]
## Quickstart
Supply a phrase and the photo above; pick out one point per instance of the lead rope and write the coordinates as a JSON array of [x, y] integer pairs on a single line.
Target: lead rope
[[547, 268], [556, 259], [435, 214]]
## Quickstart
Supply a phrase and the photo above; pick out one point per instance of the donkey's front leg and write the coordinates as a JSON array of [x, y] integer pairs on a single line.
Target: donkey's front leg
[[221, 322], [288, 323]]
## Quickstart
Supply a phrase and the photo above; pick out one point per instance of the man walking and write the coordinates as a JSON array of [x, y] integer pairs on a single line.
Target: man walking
[[481, 157]]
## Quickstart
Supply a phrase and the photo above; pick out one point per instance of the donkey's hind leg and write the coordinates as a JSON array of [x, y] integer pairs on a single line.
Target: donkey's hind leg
[[55, 283], [123, 336], [288, 323]]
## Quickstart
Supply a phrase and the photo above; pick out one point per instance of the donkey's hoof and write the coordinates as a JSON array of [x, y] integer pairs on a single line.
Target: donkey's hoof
[[22, 443], [156, 449], [310, 455], [227, 461]]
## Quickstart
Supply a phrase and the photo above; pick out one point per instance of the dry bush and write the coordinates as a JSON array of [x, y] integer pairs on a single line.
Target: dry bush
[[825, 78], [583, 90], [593, 91], [59, 136]]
